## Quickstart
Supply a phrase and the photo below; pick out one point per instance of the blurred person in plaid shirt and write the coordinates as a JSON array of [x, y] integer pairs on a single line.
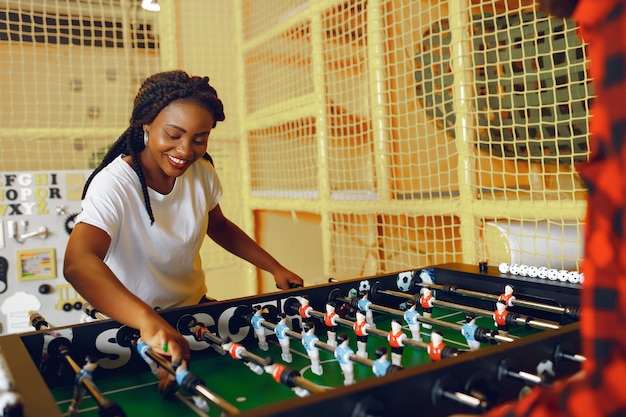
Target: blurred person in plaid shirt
[[599, 389]]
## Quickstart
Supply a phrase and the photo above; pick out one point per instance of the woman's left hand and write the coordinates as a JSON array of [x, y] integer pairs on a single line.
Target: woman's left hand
[[286, 279]]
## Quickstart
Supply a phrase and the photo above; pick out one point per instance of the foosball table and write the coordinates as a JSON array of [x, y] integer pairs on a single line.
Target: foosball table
[[343, 348]]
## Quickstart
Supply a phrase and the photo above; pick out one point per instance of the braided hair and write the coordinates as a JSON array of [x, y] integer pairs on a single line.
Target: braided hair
[[156, 92]]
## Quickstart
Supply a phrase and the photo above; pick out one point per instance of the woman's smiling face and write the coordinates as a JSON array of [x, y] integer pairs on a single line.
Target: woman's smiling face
[[177, 137]]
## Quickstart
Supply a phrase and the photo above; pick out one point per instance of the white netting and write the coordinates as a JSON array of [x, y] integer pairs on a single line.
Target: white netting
[[419, 131]]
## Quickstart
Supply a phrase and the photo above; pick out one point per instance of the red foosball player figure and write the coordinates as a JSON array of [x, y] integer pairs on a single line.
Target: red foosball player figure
[[360, 330], [396, 340], [499, 318], [278, 371], [507, 297], [330, 320], [436, 345], [235, 350], [305, 307], [427, 301]]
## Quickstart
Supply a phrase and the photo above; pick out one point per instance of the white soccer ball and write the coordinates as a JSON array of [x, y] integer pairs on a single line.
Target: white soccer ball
[[514, 269], [503, 268], [364, 285], [563, 275], [553, 274], [573, 277], [542, 272], [523, 270], [403, 281], [581, 276], [533, 271]]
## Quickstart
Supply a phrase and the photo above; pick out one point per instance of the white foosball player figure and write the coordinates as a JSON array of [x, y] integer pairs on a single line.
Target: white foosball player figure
[[86, 373], [427, 301], [360, 330], [396, 340], [365, 304], [436, 345], [257, 324], [381, 364], [342, 354], [499, 318], [236, 351], [281, 334], [330, 320], [507, 297], [468, 330], [411, 318], [309, 338]]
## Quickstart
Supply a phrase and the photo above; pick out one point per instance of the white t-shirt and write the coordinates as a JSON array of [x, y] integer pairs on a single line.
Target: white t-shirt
[[160, 263]]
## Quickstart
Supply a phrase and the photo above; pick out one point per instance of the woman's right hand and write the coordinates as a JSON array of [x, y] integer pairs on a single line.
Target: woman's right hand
[[164, 340]]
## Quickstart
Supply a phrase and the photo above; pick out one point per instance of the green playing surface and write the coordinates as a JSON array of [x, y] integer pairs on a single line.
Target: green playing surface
[[234, 382]]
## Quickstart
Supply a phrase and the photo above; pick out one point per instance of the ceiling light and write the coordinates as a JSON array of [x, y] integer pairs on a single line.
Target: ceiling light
[[150, 5]]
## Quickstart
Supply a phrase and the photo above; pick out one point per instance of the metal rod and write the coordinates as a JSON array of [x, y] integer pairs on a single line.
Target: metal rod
[[523, 320], [429, 320], [325, 346], [199, 388], [376, 332], [484, 296]]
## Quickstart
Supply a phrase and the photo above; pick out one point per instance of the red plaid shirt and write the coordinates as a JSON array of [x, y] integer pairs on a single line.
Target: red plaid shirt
[[601, 389]]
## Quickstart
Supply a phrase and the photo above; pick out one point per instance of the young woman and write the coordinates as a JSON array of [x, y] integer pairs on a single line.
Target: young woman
[[147, 208]]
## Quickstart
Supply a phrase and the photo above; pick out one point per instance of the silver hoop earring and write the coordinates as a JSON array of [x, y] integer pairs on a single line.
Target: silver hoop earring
[[145, 138]]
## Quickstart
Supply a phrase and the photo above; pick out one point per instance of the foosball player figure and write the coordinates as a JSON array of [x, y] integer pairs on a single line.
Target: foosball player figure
[[276, 370], [436, 345], [11, 404], [499, 318], [305, 308], [360, 327], [86, 373], [411, 317], [257, 324], [167, 387], [281, 330], [396, 340], [342, 354], [235, 350], [381, 364], [330, 320], [468, 330], [427, 301], [507, 297], [309, 338], [365, 304]]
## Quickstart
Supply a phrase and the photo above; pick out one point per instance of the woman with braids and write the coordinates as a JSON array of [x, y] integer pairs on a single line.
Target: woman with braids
[[145, 211]]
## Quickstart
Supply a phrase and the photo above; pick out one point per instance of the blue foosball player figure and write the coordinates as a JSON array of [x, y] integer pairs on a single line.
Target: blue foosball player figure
[[86, 372], [256, 321], [468, 329], [281, 333], [309, 338], [343, 353], [411, 317]]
